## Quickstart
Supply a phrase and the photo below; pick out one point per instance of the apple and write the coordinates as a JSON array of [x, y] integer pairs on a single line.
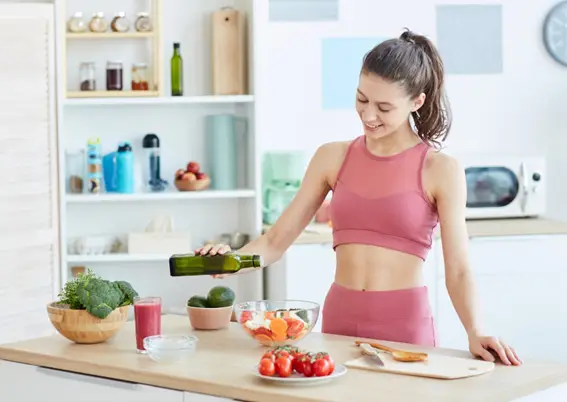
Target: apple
[[193, 167], [179, 174], [201, 176], [189, 177]]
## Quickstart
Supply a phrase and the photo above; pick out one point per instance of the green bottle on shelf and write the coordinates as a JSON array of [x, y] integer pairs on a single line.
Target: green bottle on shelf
[[191, 264], [176, 71]]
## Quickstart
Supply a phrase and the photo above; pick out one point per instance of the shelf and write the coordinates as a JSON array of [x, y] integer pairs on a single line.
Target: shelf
[[109, 35], [116, 96], [107, 258], [160, 100], [165, 196]]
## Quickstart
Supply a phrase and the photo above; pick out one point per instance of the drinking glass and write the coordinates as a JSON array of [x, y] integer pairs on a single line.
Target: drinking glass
[[147, 316]]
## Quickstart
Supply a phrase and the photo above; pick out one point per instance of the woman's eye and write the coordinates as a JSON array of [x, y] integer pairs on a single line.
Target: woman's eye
[[384, 111], [361, 100]]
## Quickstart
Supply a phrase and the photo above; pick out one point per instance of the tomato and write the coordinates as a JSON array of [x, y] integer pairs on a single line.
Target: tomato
[[326, 356], [307, 369], [269, 355], [263, 331], [297, 362], [294, 327], [283, 353], [283, 366], [245, 316], [321, 368], [267, 367]]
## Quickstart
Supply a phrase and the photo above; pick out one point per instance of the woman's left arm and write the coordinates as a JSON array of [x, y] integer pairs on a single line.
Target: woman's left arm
[[450, 193]]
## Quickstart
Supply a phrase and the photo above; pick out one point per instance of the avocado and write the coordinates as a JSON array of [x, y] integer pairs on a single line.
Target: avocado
[[198, 301], [220, 296]]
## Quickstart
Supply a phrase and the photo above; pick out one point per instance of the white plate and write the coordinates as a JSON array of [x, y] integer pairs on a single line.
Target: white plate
[[300, 379]]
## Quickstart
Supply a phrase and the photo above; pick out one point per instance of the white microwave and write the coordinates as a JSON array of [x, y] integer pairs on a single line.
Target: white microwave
[[504, 187]]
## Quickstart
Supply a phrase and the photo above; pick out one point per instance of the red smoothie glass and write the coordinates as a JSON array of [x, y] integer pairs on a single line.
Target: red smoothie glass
[[147, 316]]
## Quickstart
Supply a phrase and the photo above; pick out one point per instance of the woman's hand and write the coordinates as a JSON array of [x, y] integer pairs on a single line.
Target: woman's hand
[[489, 348], [213, 249]]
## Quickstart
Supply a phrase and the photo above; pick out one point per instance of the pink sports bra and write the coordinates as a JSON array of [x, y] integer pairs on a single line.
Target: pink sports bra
[[379, 200]]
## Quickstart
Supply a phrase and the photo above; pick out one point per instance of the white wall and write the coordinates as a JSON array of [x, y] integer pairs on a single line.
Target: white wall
[[520, 111]]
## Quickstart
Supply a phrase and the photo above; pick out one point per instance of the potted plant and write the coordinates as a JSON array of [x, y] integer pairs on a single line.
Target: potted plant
[[91, 309]]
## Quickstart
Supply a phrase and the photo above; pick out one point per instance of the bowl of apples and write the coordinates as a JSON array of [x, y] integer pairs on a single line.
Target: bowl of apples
[[191, 178]]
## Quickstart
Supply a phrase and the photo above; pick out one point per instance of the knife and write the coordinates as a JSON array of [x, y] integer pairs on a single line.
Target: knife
[[371, 354]]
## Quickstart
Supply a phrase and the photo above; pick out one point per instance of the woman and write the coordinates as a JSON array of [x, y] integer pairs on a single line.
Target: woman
[[390, 189]]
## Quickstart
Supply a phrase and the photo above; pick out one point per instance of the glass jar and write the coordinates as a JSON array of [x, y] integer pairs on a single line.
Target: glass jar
[[76, 23], [140, 81], [76, 166], [87, 72], [143, 22], [114, 76], [98, 23], [119, 23]]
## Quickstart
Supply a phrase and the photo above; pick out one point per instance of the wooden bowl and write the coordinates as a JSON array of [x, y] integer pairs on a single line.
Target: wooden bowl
[[80, 326], [211, 318], [197, 185]]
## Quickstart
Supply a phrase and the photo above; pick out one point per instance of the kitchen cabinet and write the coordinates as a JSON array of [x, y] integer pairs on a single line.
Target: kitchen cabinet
[[521, 283], [71, 387], [29, 185]]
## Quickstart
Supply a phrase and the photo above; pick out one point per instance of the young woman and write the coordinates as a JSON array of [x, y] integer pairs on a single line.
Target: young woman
[[390, 189]]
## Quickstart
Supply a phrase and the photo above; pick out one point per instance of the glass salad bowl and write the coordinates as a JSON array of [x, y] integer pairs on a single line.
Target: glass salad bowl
[[277, 323]]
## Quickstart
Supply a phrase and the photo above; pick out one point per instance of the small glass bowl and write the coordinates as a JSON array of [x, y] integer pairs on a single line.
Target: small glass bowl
[[170, 348]]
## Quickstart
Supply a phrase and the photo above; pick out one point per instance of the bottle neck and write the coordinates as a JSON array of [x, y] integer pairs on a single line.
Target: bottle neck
[[251, 261], [176, 52]]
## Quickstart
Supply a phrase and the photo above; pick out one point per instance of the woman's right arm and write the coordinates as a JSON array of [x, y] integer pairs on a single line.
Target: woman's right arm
[[311, 194]]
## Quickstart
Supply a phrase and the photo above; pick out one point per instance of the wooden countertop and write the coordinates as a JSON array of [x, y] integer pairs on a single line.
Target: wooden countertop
[[224, 360], [322, 233]]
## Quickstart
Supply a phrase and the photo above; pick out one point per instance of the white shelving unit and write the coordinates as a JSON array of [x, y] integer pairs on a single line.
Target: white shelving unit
[[178, 121]]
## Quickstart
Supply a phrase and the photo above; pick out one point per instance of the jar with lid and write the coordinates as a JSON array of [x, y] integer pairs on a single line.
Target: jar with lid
[[119, 23], [98, 23], [76, 23], [143, 22], [76, 169], [140, 81], [114, 76], [87, 73]]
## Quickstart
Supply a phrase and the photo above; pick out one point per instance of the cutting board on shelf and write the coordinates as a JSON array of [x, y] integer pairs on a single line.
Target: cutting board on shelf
[[437, 366]]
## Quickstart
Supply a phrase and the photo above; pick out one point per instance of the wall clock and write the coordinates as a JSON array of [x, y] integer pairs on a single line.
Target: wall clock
[[555, 32]]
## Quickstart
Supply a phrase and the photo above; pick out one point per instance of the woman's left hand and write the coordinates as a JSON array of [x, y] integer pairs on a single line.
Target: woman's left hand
[[481, 346]]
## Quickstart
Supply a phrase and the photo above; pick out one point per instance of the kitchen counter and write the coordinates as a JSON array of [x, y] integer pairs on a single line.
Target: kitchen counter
[[322, 233], [224, 360]]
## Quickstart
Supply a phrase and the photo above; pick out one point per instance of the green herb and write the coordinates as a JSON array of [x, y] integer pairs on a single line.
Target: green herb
[[96, 295]]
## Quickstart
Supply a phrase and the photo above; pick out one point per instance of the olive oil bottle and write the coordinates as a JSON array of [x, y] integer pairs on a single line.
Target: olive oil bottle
[[191, 264], [176, 71]]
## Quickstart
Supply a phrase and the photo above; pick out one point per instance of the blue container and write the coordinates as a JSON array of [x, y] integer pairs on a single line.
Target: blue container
[[109, 170], [125, 169], [222, 145]]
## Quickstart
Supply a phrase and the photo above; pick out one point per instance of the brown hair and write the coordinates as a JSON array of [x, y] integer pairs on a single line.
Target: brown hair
[[413, 61]]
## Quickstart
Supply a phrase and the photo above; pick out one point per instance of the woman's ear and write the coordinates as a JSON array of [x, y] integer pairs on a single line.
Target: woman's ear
[[418, 102]]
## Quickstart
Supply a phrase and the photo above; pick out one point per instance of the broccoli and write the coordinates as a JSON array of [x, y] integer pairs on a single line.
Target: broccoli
[[128, 293], [99, 296], [96, 295]]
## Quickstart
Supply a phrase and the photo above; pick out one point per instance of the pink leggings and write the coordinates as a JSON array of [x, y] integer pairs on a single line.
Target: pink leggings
[[397, 315]]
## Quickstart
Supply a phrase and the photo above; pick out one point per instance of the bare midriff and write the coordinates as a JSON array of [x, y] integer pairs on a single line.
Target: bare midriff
[[373, 268]]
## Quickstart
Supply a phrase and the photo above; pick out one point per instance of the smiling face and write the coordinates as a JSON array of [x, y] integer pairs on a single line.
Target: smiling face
[[383, 106]]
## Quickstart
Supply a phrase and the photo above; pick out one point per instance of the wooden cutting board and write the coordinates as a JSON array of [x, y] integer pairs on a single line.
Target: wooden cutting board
[[437, 366]]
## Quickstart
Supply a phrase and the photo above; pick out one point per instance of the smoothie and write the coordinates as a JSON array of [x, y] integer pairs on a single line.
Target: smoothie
[[147, 315]]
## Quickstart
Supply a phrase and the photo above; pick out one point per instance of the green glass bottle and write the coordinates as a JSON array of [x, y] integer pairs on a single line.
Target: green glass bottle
[[176, 71], [191, 264]]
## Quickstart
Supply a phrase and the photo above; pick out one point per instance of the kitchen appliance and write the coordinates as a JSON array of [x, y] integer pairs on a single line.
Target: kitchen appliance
[[223, 144], [282, 176], [504, 186]]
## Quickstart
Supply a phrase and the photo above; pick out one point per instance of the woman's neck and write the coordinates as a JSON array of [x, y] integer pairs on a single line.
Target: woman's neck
[[394, 143]]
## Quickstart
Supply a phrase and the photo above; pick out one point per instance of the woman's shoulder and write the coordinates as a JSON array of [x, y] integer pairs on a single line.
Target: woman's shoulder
[[440, 162]]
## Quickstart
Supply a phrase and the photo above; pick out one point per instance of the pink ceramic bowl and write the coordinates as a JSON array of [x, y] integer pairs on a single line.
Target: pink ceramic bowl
[[209, 318]]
